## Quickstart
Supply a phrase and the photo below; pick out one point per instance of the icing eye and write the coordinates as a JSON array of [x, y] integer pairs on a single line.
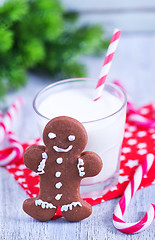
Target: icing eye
[[71, 138], [51, 135]]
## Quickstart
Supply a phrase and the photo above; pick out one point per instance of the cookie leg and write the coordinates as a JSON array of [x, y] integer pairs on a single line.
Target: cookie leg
[[77, 213], [37, 212]]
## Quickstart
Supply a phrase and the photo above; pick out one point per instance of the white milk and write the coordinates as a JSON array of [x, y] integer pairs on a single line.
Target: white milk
[[79, 105], [104, 135]]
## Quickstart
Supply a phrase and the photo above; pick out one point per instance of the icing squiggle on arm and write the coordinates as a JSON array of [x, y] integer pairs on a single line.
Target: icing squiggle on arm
[[42, 164], [81, 169]]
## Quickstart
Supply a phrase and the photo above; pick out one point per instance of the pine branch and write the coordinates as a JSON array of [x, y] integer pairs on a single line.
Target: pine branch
[[40, 35]]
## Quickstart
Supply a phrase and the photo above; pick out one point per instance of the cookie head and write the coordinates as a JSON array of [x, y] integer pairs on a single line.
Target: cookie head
[[65, 135]]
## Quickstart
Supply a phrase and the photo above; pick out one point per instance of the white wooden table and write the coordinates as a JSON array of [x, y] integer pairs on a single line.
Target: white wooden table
[[132, 67]]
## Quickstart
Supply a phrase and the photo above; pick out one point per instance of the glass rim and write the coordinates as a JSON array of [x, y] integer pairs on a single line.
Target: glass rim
[[80, 79]]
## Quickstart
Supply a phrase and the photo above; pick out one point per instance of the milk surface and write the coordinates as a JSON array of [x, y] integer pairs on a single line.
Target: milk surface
[[104, 127], [79, 105]]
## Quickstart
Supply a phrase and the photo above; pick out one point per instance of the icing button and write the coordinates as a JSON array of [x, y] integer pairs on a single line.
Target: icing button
[[57, 174], [59, 160], [58, 196], [71, 138], [58, 185]]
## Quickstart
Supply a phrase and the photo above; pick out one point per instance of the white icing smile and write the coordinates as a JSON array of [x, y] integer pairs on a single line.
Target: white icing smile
[[57, 149]]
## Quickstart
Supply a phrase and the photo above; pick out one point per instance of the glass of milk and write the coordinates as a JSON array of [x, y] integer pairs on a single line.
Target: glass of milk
[[103, 120]]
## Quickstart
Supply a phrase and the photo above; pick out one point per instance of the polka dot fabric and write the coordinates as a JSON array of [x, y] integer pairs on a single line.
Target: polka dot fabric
[[138, 141]]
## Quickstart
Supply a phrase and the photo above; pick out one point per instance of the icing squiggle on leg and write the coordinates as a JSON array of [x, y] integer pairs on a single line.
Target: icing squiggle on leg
[[43, 204], [70, 206]]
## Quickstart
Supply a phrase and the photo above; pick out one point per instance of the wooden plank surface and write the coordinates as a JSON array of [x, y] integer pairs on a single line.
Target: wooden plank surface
[[81, 5], [128, 22], [132, 67], [16, 225], [130, 16]]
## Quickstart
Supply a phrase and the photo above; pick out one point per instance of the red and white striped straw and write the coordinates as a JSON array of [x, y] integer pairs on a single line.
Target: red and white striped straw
[[131, 189], [107, 63]]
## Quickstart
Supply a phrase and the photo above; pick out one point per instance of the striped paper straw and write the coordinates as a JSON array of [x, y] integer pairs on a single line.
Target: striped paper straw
[[107, 63], [131, 189]]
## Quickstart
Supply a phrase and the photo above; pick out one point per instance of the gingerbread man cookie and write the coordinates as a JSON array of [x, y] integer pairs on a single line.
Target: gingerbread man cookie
[[61, 165]]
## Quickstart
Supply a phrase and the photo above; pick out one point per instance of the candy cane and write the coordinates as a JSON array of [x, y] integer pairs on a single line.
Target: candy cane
[[134, 115], [121, 207], [107, 63], [6, 120], [130, 105], [12, 154], [12, 112], [1, 115], [36, 141], [2, 128], [140, 120]]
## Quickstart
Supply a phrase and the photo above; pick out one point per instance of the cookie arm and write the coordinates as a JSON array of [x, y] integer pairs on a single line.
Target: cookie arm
[[90, 164], [33, 157]]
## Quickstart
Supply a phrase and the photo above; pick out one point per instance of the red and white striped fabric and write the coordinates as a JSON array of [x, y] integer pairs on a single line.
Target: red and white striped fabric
[[107, 63], [131, 189]]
